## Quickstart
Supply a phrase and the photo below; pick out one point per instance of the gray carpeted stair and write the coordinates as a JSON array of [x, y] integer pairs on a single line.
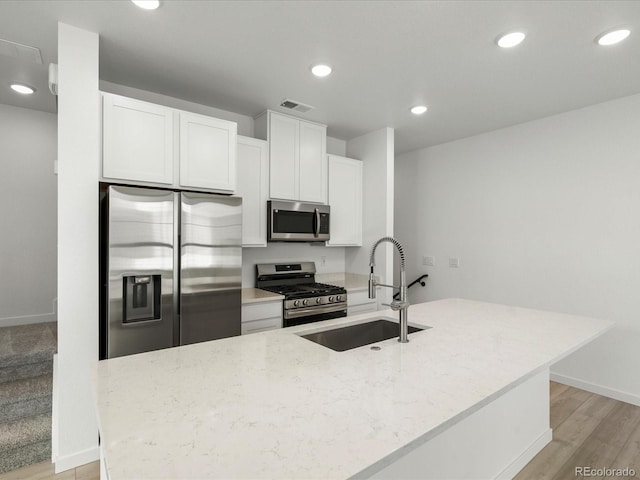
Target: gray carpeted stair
[[24, 398], [26, 366]]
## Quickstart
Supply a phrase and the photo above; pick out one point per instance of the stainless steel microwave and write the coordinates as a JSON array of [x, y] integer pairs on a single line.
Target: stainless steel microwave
[[297, 222]]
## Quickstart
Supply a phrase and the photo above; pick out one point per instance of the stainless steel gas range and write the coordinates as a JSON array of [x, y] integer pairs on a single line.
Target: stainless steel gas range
[[305, 300]]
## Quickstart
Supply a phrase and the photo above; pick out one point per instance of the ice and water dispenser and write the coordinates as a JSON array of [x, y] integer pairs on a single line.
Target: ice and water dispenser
[[141, 298]]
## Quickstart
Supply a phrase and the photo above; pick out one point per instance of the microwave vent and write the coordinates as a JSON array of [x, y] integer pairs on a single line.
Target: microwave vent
[[295, 106]]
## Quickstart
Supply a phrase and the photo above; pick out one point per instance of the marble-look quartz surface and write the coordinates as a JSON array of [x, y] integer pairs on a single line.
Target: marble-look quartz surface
[[256, 295], [275, 405]]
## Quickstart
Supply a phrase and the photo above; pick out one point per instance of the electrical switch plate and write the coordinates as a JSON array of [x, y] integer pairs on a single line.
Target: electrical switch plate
[[454, 262], [323, 260], [429, 261]]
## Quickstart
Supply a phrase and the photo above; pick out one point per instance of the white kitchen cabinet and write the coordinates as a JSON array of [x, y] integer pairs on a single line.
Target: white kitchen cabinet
[[261, 316], [253, 187], [149, 144], [284, 170], [137, 140], [297, 155], [313, 162], [207, 152], [359, 302], [345, 199]]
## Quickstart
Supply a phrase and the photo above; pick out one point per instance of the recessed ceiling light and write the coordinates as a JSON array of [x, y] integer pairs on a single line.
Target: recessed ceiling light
[[147, 4], [511, 39], [418, 109], [321, 70], [612, 37], [23, 89]]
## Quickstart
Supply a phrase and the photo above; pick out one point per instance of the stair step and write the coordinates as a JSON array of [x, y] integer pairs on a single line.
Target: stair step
[[27, 344], [29, 370], [25, 398], [24, 456], [23, 432], [26, 367]]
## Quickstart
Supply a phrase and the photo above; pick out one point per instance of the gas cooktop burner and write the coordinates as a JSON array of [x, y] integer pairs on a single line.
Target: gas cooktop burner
[[305, 290]]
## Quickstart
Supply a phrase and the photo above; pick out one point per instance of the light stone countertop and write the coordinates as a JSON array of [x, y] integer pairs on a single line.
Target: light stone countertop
[[275, 405], [256, 295]]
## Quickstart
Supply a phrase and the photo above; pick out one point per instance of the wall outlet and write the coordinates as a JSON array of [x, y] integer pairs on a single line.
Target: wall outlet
[[323, 260], [454, 262], [429, 261]]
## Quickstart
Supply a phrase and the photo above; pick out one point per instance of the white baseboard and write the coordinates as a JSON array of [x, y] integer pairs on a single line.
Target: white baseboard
[[77, 459], [27, 319], [595, 388], [526, 456]]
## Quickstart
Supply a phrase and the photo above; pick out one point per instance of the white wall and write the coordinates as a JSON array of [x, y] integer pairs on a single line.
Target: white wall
[[245, 123], [334, 257], [75, 433], [407, 208], [544, 215], [335, 146], [28, 189], [327, 259], [375, 149]]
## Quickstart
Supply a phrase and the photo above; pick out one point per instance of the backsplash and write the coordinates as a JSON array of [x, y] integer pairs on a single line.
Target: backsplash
[[327, 259]]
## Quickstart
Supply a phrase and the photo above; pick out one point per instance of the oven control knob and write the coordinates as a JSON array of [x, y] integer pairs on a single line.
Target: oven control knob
[[330, 299], [296, 303], [339, 298], [318, 300], [305, 302]]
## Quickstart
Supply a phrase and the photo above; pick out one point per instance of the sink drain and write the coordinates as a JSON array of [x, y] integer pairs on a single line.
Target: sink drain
[[376, 348]]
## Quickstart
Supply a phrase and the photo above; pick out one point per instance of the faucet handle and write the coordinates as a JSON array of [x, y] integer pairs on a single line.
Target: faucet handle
[[397, 305], [372, 286]]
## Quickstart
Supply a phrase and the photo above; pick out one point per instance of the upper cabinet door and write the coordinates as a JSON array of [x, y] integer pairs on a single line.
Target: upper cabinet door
[[345, 198], [284, 157], [253, 187], [313, 162], [137, 140], [207, 152]]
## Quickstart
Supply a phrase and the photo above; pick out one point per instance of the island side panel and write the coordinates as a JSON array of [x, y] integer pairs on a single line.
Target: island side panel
[[496, 441]]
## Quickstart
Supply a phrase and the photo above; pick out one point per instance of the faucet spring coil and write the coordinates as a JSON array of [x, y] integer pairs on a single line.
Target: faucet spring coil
[[395, 242]]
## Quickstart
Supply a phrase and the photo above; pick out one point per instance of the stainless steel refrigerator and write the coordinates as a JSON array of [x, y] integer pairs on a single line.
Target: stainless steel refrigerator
[[171, 267]]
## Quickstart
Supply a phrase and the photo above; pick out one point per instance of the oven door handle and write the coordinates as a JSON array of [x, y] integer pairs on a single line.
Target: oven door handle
[[306, 312]]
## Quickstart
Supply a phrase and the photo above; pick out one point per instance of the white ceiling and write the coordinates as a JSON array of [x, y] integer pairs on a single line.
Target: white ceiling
[[246, 56]]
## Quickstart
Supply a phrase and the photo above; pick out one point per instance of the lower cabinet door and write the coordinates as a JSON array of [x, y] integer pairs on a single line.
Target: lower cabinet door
[[259, 317]]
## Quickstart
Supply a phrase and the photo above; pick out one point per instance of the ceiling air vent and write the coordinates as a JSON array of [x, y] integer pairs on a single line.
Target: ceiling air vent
[[295, 106]]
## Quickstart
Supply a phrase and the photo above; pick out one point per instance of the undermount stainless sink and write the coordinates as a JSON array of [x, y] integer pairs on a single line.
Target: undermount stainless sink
[[354, 336]]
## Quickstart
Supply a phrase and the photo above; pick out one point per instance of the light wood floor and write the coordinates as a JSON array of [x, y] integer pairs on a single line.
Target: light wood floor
[[588, 431], [44, 471]]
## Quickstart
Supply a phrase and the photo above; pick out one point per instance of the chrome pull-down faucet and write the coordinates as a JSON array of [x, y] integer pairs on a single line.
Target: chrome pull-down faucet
[[402, 304]]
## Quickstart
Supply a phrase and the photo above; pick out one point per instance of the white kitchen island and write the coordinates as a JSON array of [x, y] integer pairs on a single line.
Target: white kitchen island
[[467, 398]]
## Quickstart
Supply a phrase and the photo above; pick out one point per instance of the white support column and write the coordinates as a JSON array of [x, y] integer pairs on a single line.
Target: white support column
[[75, 432], [376, 150]]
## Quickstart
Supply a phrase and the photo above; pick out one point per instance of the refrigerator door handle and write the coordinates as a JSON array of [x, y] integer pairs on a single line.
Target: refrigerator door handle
[[177, 255]]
